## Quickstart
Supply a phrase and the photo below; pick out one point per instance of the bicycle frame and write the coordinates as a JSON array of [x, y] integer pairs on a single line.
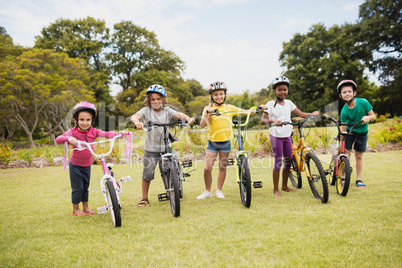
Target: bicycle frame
[[106, 167], [239, 135]]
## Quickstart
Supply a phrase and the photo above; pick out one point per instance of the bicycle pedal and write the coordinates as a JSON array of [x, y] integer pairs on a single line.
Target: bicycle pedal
[[125, 179], [163, 197], [102, 210], [186, 175], [257, 184], [230, 162], [187, 164]]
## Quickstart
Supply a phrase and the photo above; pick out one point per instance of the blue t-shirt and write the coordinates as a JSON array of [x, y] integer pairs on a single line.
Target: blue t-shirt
[[355, 114]]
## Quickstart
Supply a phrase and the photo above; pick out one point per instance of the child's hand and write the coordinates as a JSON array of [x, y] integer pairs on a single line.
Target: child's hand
[[72, 140], [191, 121], [263, 107], [278, 122], [125, 133], [210, 110], [366, 119], [139, 125], [316, 113]]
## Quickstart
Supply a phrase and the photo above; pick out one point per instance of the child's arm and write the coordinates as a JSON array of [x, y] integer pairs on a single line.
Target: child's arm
[[184, 117], [135, 118], [370, 117], [66, 137], [206, 115], [304, 115]]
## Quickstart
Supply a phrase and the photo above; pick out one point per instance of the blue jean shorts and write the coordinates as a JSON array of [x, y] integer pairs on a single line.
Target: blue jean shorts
[[359, 140], [217, 146]]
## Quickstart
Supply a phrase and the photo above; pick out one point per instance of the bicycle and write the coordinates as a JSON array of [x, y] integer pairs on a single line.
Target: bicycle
[[304, 159], [110, 188], [172, 171], [339, 169], [241, 160]]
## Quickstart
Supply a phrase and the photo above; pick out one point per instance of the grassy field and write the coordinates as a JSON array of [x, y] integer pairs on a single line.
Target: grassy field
[[361, 230]]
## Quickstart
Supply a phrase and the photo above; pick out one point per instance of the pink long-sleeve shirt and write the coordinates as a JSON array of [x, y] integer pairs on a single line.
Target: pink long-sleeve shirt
[[83, 158]]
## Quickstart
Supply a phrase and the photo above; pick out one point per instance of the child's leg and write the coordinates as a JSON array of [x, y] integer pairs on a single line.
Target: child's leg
[[210, 158], [275, 177], [223, 161], [287, 156], [145, 188], [359, 165]]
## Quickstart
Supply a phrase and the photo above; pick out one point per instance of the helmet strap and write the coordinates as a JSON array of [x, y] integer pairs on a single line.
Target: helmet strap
[[351, 100], [212, 99]]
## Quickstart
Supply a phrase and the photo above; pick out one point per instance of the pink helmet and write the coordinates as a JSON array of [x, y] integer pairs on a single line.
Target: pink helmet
[[84, 106], [346, 83]]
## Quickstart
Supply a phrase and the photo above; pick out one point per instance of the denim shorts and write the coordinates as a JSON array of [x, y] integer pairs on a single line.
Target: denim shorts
[[217, 146], [359, 140]]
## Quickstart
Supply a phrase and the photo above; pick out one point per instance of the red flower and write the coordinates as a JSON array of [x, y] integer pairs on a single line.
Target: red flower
[[386, 113], [398, 121], [390, 129], [379, 116]]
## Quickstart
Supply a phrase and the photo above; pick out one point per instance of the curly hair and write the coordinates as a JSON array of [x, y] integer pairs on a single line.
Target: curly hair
[[147, 101]]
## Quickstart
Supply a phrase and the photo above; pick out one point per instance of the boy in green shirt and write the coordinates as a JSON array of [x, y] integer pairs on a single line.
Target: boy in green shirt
[[355, 109]]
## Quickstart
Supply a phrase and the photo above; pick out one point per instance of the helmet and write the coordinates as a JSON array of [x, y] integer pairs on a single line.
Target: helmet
[[346, 83], [157, 89], [280, 80], [217, 86], [84, 106]]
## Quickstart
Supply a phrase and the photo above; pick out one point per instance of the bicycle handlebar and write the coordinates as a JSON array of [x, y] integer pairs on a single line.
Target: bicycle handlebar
[[219, 112], [151, 124], [88, 145], [299, 123], [339, 123]]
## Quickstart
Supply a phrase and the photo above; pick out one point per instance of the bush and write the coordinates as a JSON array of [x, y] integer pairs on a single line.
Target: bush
[[6, 152]]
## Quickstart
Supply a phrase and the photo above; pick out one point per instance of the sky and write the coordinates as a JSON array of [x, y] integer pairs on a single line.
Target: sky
[[235, 41]]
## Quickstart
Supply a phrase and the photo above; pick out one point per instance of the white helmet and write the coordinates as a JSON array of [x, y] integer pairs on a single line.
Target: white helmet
[[280, 80]]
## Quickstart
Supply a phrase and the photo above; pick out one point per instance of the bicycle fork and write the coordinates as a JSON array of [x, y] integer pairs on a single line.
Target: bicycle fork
[[256, 184], [117, 187]]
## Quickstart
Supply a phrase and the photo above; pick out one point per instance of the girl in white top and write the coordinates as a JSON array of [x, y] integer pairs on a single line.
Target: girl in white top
[[279, 111]]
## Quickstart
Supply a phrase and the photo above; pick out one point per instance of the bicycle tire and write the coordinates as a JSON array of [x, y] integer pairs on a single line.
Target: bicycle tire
[[174, 190], [343, 176], [318, 182], [181, 178], [113, 203], [245, 181], [294, 174]]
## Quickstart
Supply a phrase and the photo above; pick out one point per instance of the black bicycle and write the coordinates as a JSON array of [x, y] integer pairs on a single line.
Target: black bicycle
[[172, 171]]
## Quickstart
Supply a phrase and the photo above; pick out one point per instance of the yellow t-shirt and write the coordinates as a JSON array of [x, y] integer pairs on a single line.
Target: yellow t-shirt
[[219, 128]]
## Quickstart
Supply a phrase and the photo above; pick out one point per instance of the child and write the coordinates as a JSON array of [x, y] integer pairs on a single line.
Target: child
[[278, 111], [80, 163], [355, 109], [219, 134], [154, 111]]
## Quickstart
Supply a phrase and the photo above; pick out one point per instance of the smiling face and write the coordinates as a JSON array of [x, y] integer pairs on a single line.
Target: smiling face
[[347, 93], [156, 100], [281, 91], [84, 120], [218, 96]]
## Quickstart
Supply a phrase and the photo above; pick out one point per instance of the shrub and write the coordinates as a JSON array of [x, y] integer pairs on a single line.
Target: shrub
[[6, 152], [264, 141]]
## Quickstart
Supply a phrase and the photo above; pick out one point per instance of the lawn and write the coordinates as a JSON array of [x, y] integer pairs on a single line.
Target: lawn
[[360, 230]]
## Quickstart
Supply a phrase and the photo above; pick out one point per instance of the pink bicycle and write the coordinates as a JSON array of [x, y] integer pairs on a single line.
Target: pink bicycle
[[110, 188]]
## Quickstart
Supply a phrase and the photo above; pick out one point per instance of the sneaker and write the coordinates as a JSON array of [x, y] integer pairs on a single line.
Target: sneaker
[[219, 194], [204, 195]]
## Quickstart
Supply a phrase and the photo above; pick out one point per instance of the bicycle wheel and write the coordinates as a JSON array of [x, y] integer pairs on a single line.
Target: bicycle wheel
[[343, 178], [113, 203], [245, 181], [181, 178], [174, 190], [317, 181], [294, 174]]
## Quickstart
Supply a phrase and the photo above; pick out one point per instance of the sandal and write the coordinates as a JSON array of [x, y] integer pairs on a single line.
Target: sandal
[[90, 212], [143, 202], [359, 184], [80, 214]]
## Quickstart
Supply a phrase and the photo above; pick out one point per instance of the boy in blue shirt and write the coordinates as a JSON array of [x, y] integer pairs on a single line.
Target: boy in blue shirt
[[355, 109]]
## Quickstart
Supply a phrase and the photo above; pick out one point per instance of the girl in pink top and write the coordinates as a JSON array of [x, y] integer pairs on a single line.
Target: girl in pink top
[[80, 164]]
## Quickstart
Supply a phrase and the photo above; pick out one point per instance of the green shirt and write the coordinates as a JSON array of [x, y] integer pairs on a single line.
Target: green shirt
[[355, 114]]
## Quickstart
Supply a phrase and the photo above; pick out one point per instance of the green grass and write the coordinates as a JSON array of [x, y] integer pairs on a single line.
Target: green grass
[[363, 229]]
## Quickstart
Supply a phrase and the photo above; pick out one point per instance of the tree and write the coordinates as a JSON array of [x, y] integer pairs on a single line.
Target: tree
[[136, 50], [315, 63], [85, 39], [381, 37], [40, 86]]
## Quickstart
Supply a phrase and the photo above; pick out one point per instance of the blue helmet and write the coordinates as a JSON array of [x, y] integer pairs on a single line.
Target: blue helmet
[[157, 89]]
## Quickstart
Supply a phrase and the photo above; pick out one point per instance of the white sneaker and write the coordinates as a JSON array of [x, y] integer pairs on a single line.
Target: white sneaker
[[219, 194], [204, 195]]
